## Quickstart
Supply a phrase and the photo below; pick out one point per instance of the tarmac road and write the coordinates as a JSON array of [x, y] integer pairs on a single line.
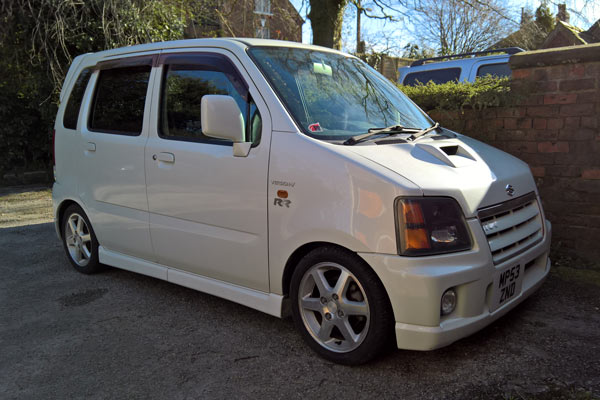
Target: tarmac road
[[122, 335]]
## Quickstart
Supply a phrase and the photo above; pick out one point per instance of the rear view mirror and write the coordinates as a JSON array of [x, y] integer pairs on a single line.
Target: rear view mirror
[[221, 118]]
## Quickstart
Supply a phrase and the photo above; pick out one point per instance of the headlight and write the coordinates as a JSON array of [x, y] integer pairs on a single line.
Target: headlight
[[430, 225]]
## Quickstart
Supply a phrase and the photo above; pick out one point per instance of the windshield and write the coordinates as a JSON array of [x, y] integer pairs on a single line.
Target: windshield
[[334, 97]]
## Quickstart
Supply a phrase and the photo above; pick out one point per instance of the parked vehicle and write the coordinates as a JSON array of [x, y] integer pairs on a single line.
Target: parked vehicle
[[272, 173], [460, 67]]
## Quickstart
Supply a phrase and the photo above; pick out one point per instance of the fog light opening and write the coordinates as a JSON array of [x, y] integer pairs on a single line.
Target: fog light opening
[[448, 303]]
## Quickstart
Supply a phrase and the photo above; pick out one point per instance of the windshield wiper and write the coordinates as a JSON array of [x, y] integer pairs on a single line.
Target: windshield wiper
[[390, 130], [422, 132]]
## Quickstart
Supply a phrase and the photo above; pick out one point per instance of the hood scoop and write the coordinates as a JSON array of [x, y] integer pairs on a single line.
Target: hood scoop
[[455, 155]]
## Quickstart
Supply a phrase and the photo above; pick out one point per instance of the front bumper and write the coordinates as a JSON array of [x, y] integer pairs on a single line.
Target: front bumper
[[415, 286]]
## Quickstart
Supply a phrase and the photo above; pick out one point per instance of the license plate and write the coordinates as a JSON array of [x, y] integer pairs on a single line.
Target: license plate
[[507, 285]]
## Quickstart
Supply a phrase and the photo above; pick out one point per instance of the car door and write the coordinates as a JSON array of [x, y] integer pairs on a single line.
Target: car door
[[208, 209], [112, 182]]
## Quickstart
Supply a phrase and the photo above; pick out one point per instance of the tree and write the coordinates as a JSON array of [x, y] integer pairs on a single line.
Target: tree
[[532, 32], [414, 51], [38, 41], [544, 18], [326, 18], [458, 26]]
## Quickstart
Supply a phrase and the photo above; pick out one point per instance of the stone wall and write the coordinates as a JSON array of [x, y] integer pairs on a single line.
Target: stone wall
[[555, 129]]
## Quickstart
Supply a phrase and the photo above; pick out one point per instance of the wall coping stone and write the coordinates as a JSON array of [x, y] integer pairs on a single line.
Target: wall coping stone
[[556, 56]]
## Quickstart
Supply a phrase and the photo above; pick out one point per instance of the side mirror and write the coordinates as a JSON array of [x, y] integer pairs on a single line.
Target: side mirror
[[221, 118]]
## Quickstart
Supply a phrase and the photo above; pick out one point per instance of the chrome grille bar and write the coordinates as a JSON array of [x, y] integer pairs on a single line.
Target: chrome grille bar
[[512, 227]]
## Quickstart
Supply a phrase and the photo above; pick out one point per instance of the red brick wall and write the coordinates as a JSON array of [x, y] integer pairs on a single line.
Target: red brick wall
[[556, 130]]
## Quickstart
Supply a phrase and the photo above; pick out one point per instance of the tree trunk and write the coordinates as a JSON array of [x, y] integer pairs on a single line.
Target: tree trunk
[[326, 17]]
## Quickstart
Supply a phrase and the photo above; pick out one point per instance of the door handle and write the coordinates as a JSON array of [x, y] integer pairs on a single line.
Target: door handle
[[164, 157], [90, 146]]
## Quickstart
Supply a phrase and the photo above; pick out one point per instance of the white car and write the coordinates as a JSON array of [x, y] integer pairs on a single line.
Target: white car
[[274, 173]]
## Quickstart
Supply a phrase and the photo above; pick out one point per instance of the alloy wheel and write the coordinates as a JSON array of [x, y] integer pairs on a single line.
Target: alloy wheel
[[78, 239], [334, 307]]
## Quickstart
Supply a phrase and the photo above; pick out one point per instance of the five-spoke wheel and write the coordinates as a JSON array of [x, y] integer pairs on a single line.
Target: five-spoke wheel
[[79, 240], [340, 306], [334, 307]]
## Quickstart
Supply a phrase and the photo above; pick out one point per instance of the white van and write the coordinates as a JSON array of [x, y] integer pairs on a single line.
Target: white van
[[273, 173]]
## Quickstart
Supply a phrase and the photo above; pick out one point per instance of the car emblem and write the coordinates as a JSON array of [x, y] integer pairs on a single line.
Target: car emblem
[[510, 190]]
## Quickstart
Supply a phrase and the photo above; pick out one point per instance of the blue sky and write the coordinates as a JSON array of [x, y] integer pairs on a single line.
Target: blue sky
[[400, 33]]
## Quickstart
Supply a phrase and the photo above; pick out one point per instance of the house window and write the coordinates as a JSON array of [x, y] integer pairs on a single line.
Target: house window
[[262, 32], [262, 7]]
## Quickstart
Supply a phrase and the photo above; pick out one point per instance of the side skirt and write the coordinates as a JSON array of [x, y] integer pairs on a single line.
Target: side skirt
[[266, 302]]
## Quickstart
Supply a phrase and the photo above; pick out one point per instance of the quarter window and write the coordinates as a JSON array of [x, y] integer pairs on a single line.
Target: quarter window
[[75, 99], [438, 76], [119, 100], [499, 70]]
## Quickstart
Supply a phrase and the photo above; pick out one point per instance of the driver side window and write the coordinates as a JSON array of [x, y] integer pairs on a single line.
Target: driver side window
[[183, 86]]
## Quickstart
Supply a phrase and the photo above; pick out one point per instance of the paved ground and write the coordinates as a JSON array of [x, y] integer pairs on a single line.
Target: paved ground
[[122, 335]]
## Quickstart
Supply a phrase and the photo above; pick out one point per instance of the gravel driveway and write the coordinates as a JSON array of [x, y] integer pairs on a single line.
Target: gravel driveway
[[122, 335]]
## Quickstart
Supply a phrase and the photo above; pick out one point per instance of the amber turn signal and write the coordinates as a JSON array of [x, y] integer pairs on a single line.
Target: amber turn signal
[[430, 225], [415, 234]]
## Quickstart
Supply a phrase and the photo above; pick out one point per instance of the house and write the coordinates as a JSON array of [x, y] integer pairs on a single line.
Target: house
[[565, 34], [531, 37], [267, 19]]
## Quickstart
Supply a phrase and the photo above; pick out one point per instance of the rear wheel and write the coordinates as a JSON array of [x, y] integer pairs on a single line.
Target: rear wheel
[[79, 240], [340, 306]]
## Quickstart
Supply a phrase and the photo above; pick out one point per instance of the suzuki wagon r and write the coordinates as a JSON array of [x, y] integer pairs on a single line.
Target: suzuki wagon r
[[284, 176]]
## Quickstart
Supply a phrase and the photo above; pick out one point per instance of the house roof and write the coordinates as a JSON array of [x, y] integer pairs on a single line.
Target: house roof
[[529, 36], [573, 34]]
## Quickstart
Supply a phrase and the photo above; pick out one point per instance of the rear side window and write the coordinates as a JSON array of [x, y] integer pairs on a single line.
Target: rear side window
[[119, 100], [75, 99], [437, 76], [500, 70]]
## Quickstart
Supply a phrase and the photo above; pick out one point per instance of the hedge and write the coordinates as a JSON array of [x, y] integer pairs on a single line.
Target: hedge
[[485, 92]]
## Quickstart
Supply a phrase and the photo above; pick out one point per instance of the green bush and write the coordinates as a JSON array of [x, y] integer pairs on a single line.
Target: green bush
[[485, 92], [36, 49]]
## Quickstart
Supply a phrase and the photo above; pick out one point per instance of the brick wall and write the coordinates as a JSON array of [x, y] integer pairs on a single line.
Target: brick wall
[[556, 130]]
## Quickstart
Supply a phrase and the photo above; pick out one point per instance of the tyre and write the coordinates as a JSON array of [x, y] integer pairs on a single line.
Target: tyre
[[79, 241], [340, 306]]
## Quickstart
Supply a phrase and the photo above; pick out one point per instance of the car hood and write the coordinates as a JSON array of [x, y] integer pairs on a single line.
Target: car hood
[[475, 174]]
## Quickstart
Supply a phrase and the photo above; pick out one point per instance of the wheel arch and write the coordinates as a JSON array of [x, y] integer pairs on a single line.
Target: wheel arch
[[306, 248], [60, 213]]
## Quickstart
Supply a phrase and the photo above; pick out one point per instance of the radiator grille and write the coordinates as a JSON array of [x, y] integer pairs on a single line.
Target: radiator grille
[[512, 227]]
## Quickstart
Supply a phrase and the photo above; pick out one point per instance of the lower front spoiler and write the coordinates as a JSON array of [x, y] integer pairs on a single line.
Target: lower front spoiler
[[416, 337]]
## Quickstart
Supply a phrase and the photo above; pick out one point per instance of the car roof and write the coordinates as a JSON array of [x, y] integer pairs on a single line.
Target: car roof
[[232, 44], [240, 43], [458, 63]]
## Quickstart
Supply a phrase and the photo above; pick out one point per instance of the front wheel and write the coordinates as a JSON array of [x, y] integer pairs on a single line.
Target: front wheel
[[340, 306]]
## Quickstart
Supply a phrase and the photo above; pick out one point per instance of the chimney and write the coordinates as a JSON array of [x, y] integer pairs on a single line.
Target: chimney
[[562, 14]]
